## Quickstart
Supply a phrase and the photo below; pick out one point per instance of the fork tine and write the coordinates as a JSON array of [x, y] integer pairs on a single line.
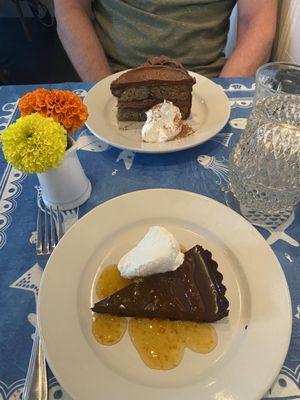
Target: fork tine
[[60, 228], [52, 231], [39, 244], [46, 231]]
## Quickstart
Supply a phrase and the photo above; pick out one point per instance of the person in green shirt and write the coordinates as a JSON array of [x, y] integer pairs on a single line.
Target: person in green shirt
[[105, 36]]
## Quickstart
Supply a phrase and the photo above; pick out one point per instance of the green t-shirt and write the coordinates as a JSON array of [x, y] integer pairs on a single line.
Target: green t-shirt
[[191, 31]]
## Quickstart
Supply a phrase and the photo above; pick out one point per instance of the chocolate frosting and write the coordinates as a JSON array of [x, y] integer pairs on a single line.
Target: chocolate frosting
[[160, 70], [194, 292], [163, 61]]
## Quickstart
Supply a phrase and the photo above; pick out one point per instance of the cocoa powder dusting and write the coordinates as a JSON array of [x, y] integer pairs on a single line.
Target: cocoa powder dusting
[[185, 131]]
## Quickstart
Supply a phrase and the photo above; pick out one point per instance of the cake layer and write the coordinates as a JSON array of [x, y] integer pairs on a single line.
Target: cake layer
[[128, 114], [170, 92], [137, 114], [193, 292], [146, 104]]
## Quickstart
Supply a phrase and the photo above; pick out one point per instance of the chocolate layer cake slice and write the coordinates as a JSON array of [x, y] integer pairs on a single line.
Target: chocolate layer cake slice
[[158, 79], [194, 292]]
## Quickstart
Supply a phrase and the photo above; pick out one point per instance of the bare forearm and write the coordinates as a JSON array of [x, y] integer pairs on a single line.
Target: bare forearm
[[254, 41], [248, 55], [81, 43]]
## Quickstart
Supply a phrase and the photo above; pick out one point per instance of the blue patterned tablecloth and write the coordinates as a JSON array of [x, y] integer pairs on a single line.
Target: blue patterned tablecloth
[[203, 169]]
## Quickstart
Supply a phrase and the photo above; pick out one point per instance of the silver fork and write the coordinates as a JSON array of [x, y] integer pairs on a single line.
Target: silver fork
[[36, 385]]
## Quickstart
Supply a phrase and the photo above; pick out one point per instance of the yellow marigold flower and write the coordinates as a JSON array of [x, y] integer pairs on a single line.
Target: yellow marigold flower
[[34, 143]]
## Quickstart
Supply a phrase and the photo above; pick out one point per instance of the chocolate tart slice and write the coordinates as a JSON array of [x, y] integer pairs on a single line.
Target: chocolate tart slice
[[194, 292]]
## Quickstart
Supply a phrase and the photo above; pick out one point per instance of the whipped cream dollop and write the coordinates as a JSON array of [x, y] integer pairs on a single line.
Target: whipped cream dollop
[[157, 252], [163, 123]]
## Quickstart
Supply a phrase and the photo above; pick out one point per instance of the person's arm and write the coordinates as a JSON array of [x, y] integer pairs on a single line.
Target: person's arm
[[255, 34], [76, 32]]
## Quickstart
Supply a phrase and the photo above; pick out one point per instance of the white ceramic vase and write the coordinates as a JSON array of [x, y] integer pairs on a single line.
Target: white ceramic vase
[[67, 185]]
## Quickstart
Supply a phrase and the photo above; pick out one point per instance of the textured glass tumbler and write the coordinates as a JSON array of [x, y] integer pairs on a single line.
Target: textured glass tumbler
[[264, 167], [276, 77]]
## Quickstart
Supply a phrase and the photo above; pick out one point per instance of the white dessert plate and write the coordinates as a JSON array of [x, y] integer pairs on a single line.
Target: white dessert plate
[[252, 340], [210, 112]]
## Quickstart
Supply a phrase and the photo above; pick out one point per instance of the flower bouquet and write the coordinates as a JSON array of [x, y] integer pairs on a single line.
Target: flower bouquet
[[40, 142]]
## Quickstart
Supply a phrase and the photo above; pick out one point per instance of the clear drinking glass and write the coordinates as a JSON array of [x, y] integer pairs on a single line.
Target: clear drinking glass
[[264, 167], [277, 77]]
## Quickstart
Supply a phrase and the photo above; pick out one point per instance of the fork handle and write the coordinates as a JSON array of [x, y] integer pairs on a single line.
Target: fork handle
[[36, 387]]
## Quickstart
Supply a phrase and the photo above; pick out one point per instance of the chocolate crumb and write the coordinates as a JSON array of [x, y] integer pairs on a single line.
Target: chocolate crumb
[[246, 327]]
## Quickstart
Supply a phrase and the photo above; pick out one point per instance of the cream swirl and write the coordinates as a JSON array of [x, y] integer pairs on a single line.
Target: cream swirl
[[163, 123], [157, 252]]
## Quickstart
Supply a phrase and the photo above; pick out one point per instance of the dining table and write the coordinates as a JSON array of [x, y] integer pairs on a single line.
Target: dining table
[[202, 169]]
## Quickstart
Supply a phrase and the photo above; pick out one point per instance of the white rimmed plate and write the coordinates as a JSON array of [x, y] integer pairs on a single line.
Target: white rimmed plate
[[252, 341], [210, 112]]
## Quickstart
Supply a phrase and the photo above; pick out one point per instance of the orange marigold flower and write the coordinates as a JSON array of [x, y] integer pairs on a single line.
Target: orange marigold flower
[[63, 106]]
